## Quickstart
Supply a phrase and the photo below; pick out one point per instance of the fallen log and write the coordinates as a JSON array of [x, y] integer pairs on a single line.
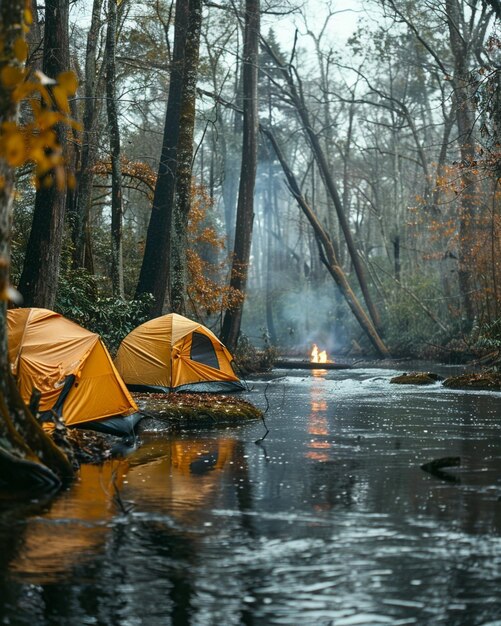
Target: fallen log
[[308, 365]]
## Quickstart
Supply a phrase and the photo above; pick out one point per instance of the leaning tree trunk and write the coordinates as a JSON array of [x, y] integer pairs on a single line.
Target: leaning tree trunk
[[328, 255], [155, 269], [26, 453], [298, 101], [179, 236], [40, 273], [245, 207], [117, 275]]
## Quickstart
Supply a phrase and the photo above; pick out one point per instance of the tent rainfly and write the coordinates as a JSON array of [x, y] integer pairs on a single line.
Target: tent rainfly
[[173, 353], [71, 368]]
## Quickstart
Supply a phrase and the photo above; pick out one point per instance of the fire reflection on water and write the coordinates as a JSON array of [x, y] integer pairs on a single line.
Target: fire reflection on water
[[318, 425]]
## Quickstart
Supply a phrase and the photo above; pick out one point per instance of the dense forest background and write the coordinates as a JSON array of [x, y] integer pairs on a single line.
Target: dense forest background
[[284, 172]]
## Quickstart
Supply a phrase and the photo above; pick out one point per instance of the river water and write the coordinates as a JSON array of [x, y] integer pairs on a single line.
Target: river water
[[330, 521]]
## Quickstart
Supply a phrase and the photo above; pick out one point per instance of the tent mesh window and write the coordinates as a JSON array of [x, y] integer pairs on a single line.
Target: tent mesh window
[[203, 351]]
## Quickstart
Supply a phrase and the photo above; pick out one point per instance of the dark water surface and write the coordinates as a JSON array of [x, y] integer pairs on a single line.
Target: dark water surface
[[330, 521]]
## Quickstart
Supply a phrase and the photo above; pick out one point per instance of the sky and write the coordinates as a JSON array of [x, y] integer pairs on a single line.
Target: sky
[[342, 24]]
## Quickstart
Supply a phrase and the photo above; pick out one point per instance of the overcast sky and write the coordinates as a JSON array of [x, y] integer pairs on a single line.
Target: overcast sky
[[341, 25]]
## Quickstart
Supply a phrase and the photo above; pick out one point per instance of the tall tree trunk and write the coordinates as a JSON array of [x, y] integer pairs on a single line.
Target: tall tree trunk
[[230, 163], [179, 236], [245, 207], [328, 255], [10, 18], [155, 269], [117, 276], [82, 256], [465, 124], [26, 453], [40, 273]]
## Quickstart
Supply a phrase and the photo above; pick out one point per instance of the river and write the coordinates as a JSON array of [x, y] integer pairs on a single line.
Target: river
[[329, 521]]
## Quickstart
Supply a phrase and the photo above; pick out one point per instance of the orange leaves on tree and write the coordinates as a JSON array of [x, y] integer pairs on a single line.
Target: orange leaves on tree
[[465, 227], [207, 273], [142, 176], [207, 289]]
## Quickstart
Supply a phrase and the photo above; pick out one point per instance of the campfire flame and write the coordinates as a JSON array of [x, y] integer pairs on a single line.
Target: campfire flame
[[318, 356]]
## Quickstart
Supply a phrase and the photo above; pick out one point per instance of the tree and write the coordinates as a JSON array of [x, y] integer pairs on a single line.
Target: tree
[[179, 236], [245, 207], [27, 455], [117, 276], [328, 255], [296, 96], [464, 26], [82, 256], [462, 39], [40, 273], [155, 272]]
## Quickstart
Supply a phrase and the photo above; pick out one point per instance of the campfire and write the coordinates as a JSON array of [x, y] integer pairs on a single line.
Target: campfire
[[318, 356]]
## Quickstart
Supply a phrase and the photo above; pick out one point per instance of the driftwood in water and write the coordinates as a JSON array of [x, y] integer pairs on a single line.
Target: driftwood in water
[[436, 467], [416, 378], [308, 365]]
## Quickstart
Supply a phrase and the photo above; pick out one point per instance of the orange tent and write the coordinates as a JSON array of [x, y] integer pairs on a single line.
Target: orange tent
[[173, 353], [69, 365]]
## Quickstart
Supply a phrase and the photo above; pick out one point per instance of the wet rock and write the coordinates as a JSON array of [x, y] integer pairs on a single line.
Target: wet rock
[[416, 378], [438, 464], [481, 380]]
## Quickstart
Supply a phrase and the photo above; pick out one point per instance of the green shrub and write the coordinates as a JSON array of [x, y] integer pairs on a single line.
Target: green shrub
[[78, 299]]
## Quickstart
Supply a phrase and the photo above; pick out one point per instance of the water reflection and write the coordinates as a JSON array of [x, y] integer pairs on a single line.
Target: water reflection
[[334, 523], [181, 476], [318, 427], [73, 527]]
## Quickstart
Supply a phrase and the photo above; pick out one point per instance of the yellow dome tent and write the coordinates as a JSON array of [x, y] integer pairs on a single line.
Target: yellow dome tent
[[71, 368], [173, 353]]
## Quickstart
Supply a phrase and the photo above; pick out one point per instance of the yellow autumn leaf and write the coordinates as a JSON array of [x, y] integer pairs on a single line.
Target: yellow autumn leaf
[[15, 149], [68, 82], [11, 76], [9, 127], [28, 17], [36, 107], [23, 90], [20, 49], [74, 124], [60, 96], [37, 154], [45, 95], [46, 119]]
